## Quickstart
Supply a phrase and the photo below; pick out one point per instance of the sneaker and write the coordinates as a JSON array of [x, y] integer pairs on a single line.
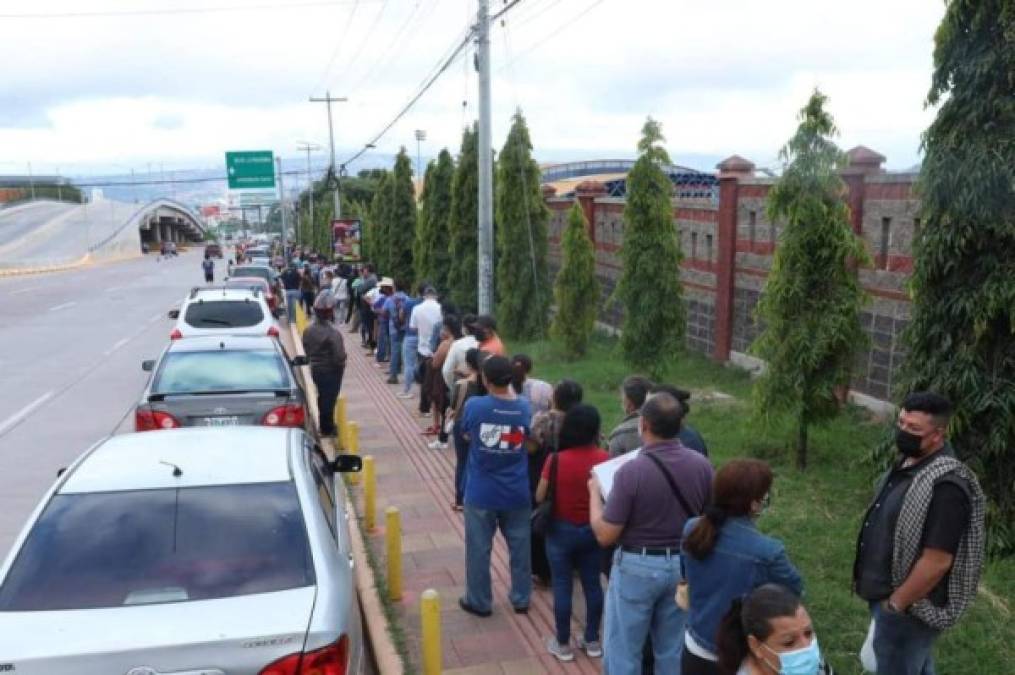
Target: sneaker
[[562, 652], [406, 395], [392, 380], [594, 649], [437, 445]]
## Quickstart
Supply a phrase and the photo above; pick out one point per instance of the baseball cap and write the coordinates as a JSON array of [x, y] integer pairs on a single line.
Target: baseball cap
[[497, 371], [324, 302]]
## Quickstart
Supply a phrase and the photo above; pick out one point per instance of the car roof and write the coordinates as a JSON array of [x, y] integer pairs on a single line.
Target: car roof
[[220, 293], [205, 456], [204, 343]]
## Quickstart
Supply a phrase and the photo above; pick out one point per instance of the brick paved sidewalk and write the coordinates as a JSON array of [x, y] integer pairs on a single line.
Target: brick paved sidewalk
[[419, 481]]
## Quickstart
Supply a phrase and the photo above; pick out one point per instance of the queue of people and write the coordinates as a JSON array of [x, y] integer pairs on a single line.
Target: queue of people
[[677, 575]]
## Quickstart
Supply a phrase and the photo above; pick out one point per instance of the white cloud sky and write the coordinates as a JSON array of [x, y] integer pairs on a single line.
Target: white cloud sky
[[108, 92]]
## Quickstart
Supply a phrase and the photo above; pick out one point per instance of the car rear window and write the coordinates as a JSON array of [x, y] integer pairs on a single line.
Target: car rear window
[[224, 314], [155, 546], [220, 370], [255, 271], [248, 283]]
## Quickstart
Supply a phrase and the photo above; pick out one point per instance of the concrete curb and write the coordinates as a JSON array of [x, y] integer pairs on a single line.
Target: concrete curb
[[41, 269], [371, 606]]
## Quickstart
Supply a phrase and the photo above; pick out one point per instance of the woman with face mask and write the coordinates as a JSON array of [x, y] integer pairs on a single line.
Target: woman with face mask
[[769, 633], [725, 556]]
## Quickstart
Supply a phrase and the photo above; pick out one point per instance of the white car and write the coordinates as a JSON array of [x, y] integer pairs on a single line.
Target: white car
[[191, 551], [214, 310]]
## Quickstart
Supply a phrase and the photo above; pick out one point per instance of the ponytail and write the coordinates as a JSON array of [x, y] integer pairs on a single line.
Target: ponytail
[[731, 640], [700, 542]]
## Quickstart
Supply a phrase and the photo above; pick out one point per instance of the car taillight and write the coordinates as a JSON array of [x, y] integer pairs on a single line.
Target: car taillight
[[285, 416], [273, 331], [176, 334], [330, 660], [153, 420]]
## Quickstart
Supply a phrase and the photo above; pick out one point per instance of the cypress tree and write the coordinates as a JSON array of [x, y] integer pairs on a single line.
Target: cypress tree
[[438, 218], [463, 270], [649, 287], [522, 279], [812, 300], [379, 211], [402, 223], [421, 246], [576, 289], [961, 340]]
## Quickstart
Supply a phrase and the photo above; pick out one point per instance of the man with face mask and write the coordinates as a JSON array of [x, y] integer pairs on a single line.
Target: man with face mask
[[920, 550], [326, 353]]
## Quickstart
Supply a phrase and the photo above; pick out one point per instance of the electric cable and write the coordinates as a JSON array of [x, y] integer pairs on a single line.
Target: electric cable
[[168, 11]]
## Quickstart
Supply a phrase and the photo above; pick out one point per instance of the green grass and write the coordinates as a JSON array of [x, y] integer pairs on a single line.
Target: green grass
[[815, 513]]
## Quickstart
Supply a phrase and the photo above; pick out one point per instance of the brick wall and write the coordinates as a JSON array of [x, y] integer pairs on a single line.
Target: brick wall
[[728, 250]]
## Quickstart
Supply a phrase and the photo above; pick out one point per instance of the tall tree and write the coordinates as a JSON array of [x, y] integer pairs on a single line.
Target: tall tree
[[522, 279], [961, 340], [402, 225], [463, 272], [438, 207], [421, 246], [377, 239], [812, 300], [649, 288], [576, 289]]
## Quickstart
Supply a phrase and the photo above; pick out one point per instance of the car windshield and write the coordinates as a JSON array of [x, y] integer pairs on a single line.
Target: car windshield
[[220, 370], [154, 546], [223, 314], [255, 271]]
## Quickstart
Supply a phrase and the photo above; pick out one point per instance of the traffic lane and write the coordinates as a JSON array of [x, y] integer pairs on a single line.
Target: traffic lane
[[18, 222], [52, 335]]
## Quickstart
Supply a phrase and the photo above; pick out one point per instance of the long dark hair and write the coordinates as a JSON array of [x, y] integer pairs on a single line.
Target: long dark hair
[[735, 486], [580, 427], [566, 394], [521, 366], [751, 616]]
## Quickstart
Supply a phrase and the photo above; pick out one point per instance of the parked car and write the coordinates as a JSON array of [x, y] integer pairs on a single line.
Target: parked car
[[222, 381], [190, 551], [262, 270], [212, 251], [252, 283], [214, 310]]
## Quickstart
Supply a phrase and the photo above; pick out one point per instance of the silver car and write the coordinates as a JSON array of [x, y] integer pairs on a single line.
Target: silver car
[[222, 381], [191, 552]]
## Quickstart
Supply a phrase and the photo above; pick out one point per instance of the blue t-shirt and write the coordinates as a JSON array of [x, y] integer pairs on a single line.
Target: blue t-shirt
[[410, 303], [391, 306], [497, 473]]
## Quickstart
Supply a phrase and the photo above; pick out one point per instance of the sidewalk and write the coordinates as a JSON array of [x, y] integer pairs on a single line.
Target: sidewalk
[[419, 481]]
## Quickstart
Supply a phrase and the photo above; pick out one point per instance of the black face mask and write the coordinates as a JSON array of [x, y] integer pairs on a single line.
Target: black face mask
[[908, 443]]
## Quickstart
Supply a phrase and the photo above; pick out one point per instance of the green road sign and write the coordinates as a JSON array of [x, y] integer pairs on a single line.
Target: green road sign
[[252, 169]]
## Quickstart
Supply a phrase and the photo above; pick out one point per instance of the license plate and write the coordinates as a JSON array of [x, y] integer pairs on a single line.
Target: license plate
[[221, 421]]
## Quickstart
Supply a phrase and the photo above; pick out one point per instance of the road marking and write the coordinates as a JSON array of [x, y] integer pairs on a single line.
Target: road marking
[[114, 288], [155, 318], [20, 415], [116, 346], [63, 306], [25, 290]]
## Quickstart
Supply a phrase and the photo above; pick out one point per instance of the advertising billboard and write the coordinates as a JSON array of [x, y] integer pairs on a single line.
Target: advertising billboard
[[346, 238]]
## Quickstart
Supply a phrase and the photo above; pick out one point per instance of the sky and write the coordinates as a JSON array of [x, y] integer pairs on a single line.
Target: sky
[[113, 85]]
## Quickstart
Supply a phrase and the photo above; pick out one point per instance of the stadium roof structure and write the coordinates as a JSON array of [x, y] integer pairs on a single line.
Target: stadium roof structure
[[612, 173]]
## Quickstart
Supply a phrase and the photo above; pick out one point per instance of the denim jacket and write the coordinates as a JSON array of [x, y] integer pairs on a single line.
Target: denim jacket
[[743, 559]]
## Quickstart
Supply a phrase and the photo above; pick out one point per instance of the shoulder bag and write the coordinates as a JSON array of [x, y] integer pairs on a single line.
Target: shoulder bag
[[683, 594]]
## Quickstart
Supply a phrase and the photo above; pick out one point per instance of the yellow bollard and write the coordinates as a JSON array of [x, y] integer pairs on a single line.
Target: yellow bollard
[[353, 448], [369, 493], [341, 423], [430, 613], [394, 542], [301, 319]]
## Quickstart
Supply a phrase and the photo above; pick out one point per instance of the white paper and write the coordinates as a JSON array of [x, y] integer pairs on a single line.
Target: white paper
[[608, 469]]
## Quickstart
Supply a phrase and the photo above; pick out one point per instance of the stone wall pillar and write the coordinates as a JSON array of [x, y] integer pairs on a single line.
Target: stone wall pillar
[[586, 193], [731, 170], [862, 161]]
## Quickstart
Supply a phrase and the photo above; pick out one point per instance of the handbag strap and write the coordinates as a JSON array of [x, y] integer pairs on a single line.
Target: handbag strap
[[551, 494], [673, 484]]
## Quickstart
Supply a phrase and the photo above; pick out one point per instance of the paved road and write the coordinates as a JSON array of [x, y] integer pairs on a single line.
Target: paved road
[[21, 220], [71, 346]]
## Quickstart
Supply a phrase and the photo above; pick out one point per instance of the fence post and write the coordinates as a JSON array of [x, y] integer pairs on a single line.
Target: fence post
[[393, 534], [369, 493], [430, 613]]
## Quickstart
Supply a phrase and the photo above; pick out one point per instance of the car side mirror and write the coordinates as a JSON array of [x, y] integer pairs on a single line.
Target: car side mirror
[[347, 464], [61, 471], [300, 360], [148, 365], [173, 314]]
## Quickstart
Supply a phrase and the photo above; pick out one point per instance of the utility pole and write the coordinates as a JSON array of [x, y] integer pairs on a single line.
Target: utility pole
[[59, 182], [328, 99], [308, 148], [420, 137], [281, 201], [485, 162]]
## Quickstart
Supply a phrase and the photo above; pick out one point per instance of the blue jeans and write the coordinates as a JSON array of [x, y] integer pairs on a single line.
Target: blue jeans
[[639, 603], [903, 644], [410, 357], [461, 460], [382, 341], [292, 298], [396, 353], [570, 547], [480, 527]]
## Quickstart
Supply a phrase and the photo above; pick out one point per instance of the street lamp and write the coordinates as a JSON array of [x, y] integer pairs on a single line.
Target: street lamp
[[420, 137]]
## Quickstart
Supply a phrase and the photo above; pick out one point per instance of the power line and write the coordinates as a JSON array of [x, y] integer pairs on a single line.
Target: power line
[[338, 47], [561, 28], [366, 37], [395, 44], [178, 10], [170, 181]]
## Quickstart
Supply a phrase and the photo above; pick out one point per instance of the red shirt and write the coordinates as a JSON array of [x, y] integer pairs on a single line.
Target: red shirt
[[571, 503]]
